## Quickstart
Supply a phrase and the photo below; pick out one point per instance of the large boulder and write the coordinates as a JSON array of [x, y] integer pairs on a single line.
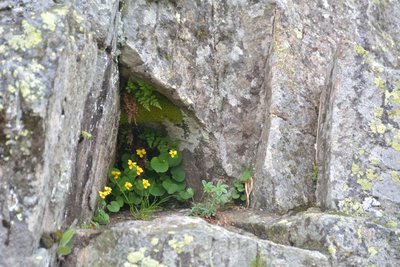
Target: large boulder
[[177, 240], [58, 78], [347, 241]]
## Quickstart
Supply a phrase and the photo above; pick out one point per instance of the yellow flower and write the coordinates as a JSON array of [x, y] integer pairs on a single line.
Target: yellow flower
[[139, 170], [102, 194], [145, 183], [131, 164], [141, 152], [173, 153], [116, 174], [128, 185], [107, 190]]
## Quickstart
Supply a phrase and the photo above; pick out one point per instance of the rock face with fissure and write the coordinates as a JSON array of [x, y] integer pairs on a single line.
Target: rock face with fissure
[[358, 141], [230, 70], [58, 77]]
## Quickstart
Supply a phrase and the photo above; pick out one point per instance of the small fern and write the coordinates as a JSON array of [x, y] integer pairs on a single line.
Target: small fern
[[154, 139], [143, 93]]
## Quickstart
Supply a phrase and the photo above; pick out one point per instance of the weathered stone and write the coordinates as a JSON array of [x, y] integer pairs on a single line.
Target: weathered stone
[[234, 77], [358, 151], [185, 241], [58, 78], [348, 241]]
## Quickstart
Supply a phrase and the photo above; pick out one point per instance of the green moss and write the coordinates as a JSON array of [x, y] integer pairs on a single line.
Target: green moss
[[169, 111]]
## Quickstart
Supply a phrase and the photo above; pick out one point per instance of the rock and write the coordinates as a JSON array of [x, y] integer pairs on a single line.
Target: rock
[[348, 241], [58, 78], [358, 151], [233, 75], [177, 240]]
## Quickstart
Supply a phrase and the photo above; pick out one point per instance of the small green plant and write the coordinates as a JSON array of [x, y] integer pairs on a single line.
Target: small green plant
[[239, 190], [143, 93], [259, 261], [67, 241], [314, 174], [216, 196], [100, 216], [147, 179]]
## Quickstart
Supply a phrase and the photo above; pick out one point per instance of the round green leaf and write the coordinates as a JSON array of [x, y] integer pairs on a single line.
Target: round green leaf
[[170, 186], [158, 165], [157, 190], [235, 194], [175, 161], [187, 194], [133, 198], [178, 174], [113, 206]]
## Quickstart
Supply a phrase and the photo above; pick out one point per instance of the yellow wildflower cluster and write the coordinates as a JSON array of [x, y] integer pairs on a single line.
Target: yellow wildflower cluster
[[173, 153], [145, 183], [106, 192], [116, 174], [141, 152]]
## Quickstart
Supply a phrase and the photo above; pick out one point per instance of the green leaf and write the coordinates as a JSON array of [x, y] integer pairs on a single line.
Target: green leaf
[[66, 237], [246, 174], [157, 190], [173, 187], [185, 195], [158, 165], [120, 201], [134, 198], [63, 251], [178, 174], [175, 161], [235, 194], [243, 197], [113, 206], [101, 217]]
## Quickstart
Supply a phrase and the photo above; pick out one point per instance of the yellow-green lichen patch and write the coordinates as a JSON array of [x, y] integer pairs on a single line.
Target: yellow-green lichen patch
[[359, 234], [154, 241], [395, 177], [378, 112], [332, 250], [49, 21], [177, 246], [371, 174], [396, 146], [360, 50], [350, 207], [372, 251], [61, 10], [365, 184], [379, 83], [11, 89], [31, 38], [377, 126], [393, 96], [392, 224], [355, 168], [2, 49]]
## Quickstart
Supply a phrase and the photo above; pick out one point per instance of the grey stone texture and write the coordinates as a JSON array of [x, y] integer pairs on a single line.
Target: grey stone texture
[[58, 77], [177, 240], [345, 240]]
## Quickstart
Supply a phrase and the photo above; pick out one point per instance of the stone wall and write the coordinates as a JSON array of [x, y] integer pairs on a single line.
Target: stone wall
[[59, 77]]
